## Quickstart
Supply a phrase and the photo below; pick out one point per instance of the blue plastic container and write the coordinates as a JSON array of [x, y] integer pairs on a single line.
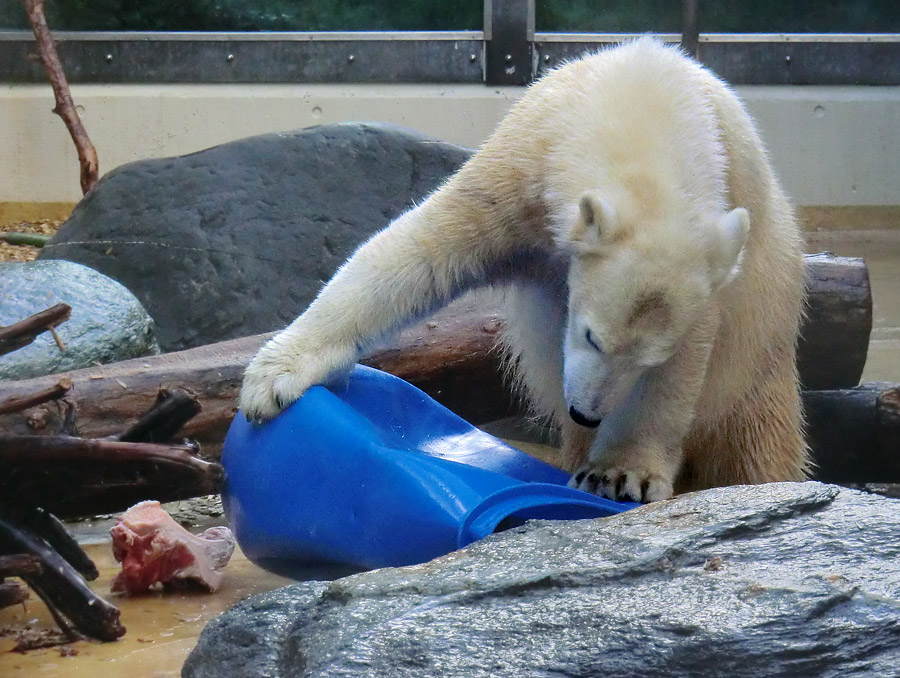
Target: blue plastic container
[[374, 473]]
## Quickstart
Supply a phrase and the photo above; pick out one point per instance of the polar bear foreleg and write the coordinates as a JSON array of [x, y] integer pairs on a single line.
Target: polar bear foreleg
[[411, 268]]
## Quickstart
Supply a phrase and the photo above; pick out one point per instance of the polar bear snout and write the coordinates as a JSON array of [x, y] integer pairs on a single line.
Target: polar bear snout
[[582, 420]]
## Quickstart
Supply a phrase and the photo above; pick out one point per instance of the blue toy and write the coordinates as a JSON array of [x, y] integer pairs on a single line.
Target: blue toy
[[374, 473]]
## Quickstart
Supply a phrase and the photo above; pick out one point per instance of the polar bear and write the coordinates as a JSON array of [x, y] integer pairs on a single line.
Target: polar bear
[[652, 270]]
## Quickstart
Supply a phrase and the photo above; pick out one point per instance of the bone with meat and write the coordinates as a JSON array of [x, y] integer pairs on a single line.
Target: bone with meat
[[154, 549]]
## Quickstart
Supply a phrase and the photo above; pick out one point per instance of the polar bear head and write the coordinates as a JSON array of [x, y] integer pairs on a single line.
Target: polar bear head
[[634, 294]]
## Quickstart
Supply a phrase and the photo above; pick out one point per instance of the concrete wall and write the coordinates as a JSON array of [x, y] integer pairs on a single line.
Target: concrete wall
[[832, 146]]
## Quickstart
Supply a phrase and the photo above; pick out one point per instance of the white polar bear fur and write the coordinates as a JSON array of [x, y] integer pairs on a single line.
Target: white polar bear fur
[[625, 204]]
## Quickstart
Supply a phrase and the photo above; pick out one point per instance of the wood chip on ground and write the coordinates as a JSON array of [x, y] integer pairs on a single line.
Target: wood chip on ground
[[25, 252]]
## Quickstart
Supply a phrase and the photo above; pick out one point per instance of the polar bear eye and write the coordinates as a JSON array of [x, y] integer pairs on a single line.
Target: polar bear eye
[[592, 342]]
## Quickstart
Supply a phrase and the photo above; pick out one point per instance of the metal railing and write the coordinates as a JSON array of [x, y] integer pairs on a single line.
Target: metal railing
[[507, 52]]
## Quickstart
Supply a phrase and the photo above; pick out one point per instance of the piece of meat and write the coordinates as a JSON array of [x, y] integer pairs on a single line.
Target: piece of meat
[[153, 549]]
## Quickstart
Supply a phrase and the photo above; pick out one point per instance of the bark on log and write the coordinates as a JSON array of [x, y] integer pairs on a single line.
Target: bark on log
[[451, 357]]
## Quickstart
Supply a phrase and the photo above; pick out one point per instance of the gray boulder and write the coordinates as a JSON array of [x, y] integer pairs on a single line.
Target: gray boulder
[[107, 322], [238, 239], [788, 579]]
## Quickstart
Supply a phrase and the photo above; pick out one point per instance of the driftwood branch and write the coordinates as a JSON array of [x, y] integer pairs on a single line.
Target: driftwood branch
[[173, 409], [72, 477], [11, 592], [17, 404], [16, 566], [65, 107], [25, 331], [71, 601], [48, 527]]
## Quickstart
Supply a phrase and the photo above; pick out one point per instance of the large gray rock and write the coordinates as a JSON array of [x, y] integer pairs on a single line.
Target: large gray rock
[[238, 239], [789, 579], [107, 322]]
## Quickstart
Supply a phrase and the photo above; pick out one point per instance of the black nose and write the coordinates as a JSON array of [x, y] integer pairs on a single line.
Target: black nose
[[582, 420]]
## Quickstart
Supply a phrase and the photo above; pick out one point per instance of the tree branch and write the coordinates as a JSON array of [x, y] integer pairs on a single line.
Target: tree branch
[[17, 404], [65, 107], [24, 332]]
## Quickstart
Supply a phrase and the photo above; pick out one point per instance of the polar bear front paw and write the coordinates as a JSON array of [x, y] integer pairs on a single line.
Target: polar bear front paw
[[622, 484], [278, 376]]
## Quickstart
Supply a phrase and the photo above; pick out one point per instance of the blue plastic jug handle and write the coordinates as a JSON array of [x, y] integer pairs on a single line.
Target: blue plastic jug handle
[[544, 500]]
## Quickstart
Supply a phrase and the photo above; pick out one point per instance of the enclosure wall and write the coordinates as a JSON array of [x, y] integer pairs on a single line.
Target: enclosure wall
[[832, 146]]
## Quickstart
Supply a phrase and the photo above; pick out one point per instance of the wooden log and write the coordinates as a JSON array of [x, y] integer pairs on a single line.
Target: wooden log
[[451, 357], [72, 477], [855, 433], [834, 340]]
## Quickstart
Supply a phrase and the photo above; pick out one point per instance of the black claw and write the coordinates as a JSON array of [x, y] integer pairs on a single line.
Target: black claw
[[645, 488], [620, 485], [580, 477]]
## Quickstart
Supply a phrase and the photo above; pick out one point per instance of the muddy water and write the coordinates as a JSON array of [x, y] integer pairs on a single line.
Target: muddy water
[[162, 628]]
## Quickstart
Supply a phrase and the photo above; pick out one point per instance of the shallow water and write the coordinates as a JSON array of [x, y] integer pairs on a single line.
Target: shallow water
[[162, 628]]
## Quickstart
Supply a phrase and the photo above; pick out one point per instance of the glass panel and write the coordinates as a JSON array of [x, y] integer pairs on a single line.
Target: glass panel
[[252, 15], [720, 16]]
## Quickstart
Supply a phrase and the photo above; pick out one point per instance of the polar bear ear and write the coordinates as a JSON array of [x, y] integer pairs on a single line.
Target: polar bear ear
[[596, 221], [732, 230]]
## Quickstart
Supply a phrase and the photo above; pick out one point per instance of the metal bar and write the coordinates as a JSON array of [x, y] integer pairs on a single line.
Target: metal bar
[[269, 36], [804, 63], [768, 60], [690, 33], [800, 37], [509, 34], [457, 57], [238, 60]]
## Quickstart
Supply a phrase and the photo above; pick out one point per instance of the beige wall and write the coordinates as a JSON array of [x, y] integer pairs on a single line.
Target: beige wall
[[834, 146]]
